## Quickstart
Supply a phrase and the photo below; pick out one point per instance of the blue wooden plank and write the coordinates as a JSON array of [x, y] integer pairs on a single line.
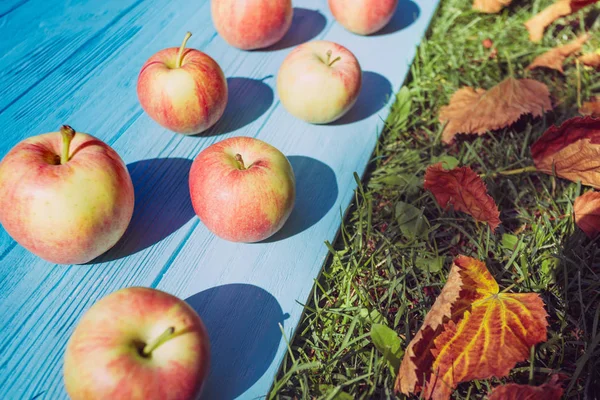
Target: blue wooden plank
[[242, 291]]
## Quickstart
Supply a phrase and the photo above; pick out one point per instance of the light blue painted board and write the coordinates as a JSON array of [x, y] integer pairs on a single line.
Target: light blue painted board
[[85, 74]]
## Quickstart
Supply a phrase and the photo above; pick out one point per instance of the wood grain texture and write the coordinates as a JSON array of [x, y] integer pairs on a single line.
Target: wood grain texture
[[77, 62]]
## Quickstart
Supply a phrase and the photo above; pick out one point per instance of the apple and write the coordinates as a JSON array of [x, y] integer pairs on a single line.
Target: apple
[[363, 17], [183, 90], [137, 343], [252, 24], [319, 81], [65, 196], [242, 188]]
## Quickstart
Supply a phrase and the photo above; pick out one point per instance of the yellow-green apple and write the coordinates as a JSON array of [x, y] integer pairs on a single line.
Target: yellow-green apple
[[252, 24], [242, 188], [137, 344], [319, 81], [65, 196], [363, 17], [184, 90]]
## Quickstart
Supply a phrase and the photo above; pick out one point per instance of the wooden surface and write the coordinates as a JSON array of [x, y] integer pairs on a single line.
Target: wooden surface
[[77, 62]]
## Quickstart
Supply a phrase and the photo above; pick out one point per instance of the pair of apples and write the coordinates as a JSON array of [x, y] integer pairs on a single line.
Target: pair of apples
[[256, 24], [186, 91], [67, 196]]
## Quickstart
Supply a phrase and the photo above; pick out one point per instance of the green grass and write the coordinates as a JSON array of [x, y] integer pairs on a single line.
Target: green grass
[[379, 272]]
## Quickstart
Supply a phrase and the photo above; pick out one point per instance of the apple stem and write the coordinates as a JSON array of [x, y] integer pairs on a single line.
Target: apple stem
[[239, 159], [179, 60], [150, 347], [67, 135], [329, 62]]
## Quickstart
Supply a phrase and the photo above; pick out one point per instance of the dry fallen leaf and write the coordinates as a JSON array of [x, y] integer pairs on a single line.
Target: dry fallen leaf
[[477, 111], [555, 58], [485, 333], [490, 6], [418, 358], [538, 23], [591, 108], [590, 59], [587, 213], [464, 190], [570, 151], [548, 391]]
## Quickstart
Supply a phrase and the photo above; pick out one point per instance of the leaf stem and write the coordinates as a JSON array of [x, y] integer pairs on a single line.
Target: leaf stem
[[150, 347], [517, 171], [578, 83], [511, 70], [67, 135], [179, 60]]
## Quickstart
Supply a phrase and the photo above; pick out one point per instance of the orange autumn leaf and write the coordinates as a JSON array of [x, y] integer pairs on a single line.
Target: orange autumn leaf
[[418, 358], [590, 59], [555, 58], [476, 111], [538, 23], [591, 108], [587, 213], [570, 151], [548, 391], [464, 190], [490, 6], [484, 333]]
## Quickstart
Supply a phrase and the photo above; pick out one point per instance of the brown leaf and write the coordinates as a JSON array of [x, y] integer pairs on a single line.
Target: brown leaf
[[538, 23], [548, 391], [591, 108], [463, 189], [484, 333], [570, 151], [590, 59], [490, 6], [587, 213], [418, 358], [476, 111], [555, 58]]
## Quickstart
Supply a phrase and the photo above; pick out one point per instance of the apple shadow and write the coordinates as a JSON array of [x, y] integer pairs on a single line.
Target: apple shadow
[[248, 99], [316, 193], [243, 326], [374, 95], [162, 205], [306, 25], [406, 14]]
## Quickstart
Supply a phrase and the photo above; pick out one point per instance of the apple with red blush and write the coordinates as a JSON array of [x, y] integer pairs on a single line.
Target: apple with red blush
[[252, 24], [363, 17], [65, 196], [137, 344], [184, 90], [242, 189]]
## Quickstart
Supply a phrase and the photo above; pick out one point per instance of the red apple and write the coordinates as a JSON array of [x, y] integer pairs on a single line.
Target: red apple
[[319, 81], [184, 90], [363, 16], [243, 189], [137, 343], [252, 24], [65, 196]]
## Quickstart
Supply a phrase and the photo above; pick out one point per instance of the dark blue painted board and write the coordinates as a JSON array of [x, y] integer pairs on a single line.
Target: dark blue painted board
[[77, 62]]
